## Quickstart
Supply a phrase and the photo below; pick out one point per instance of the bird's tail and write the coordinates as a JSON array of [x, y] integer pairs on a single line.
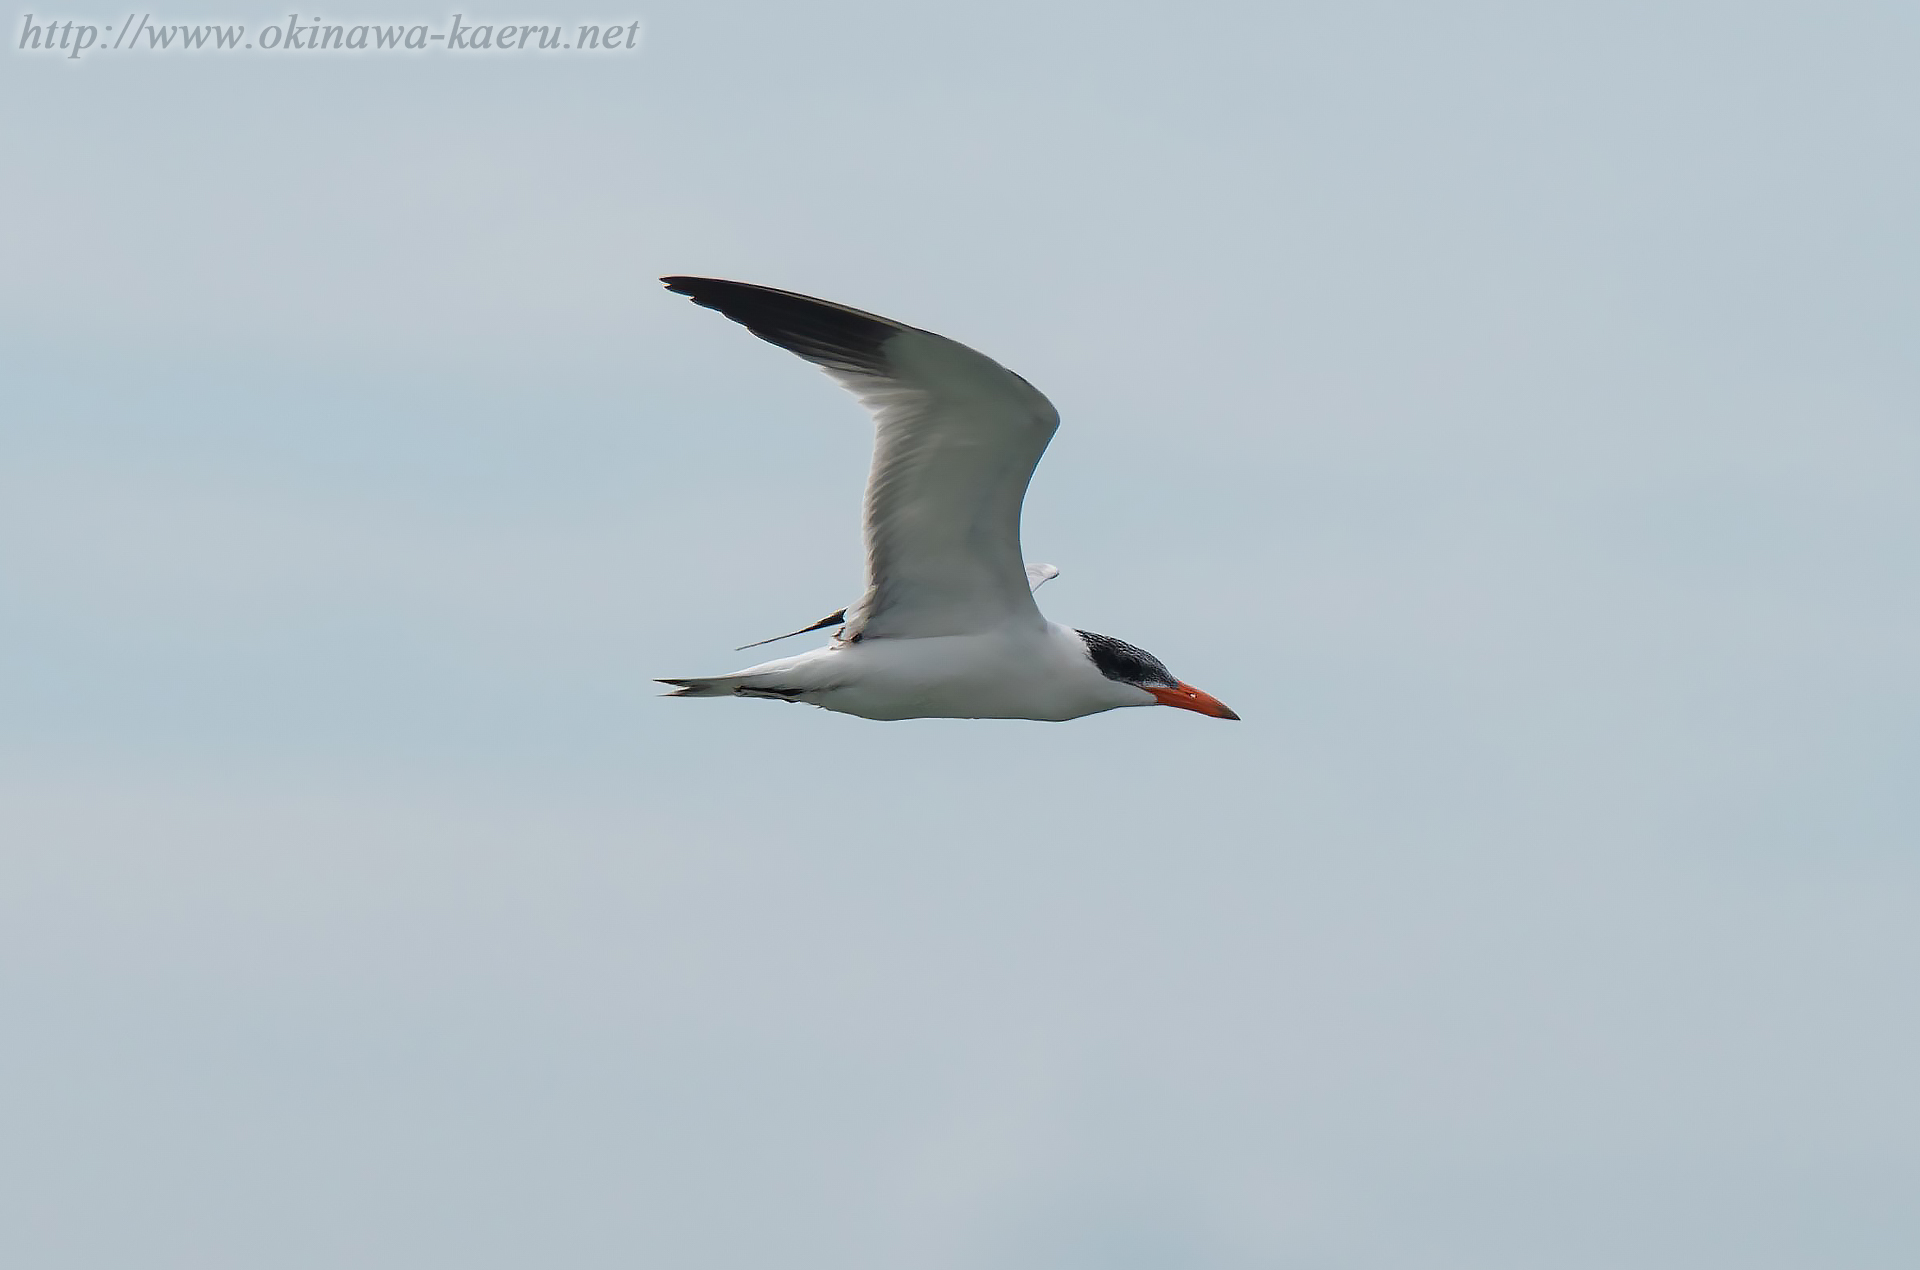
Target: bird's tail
[[782, 680], [720, 687], [741, 685]]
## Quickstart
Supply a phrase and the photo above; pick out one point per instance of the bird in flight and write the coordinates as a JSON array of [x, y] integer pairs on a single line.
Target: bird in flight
[[947, 628]]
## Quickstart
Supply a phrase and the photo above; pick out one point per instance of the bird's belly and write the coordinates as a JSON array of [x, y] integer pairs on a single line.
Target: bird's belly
[[958, 677]]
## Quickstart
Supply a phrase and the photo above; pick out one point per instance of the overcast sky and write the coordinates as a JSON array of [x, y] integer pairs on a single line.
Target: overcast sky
[[1509, 409]]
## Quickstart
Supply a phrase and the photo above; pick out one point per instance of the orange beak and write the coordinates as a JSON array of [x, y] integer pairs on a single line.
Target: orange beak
[[1188, 697]]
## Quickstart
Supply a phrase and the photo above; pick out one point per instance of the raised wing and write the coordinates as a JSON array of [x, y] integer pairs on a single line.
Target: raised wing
[[1038, 575], [957, 437]]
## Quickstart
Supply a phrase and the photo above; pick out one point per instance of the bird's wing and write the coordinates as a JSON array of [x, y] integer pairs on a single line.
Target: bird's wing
[[957, 437], [1038, 575]]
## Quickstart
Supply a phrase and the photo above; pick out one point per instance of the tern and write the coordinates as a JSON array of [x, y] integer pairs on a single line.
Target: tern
[[948, 627]]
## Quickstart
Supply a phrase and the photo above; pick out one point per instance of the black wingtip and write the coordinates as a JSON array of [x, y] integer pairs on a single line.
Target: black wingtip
[[702, 291], [826, 334], [830, 619], [722, 295]]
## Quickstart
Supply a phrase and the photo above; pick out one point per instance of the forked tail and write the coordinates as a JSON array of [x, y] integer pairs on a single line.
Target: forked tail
[[728, 686]]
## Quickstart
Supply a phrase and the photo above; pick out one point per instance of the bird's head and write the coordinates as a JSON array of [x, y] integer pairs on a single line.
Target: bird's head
[[1123, 663]]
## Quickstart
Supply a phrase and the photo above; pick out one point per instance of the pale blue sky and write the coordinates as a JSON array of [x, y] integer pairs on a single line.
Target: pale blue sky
[[1509, 409]]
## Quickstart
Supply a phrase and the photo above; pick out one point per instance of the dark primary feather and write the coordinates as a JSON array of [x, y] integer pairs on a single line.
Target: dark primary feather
[[828, 335], [1117, 659], [832, 619]]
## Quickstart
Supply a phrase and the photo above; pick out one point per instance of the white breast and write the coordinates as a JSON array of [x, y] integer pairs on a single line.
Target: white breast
[[1012, 672]]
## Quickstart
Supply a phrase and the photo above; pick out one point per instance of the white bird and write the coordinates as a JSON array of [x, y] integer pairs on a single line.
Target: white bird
[[947, 627]]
